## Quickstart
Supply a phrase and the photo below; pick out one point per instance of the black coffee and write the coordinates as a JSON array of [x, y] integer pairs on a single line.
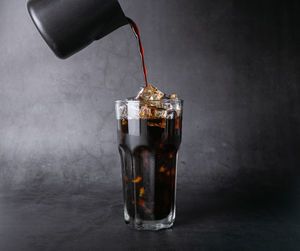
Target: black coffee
[[148, 149]]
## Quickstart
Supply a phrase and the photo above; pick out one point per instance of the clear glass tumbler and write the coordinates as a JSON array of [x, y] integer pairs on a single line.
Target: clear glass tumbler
[[149, 136]]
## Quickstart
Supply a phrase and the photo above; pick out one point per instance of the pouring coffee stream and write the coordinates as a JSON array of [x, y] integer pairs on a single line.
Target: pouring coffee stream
[[137, 33]]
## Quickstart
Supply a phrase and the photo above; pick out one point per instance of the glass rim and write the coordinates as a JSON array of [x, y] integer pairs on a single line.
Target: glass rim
[[174, 100]]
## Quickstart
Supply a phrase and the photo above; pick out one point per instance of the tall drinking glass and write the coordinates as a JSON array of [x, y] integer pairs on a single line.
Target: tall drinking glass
[[149, 136]]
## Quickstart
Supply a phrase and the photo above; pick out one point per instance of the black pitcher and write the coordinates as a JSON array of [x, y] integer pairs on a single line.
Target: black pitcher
[[70, 25]]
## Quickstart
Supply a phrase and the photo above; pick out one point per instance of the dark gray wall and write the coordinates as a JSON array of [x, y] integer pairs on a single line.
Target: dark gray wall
[[235, 63]]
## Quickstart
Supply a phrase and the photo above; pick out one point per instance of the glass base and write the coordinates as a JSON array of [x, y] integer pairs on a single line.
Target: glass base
[[151, 225]]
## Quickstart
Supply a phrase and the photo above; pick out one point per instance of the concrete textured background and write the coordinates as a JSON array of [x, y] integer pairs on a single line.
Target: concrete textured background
[[235, 63]]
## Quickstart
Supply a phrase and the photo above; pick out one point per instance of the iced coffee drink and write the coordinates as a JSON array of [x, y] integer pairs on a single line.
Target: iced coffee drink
[[149, 136]]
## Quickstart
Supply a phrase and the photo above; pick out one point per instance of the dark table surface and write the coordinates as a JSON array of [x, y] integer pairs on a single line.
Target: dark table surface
[[91, 219]]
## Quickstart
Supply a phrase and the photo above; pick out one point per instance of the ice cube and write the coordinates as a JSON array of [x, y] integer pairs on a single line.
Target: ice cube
[[121, 111], [145, 112], [177, 107], [150, 93], [172, 96], [159, 113], [133, 110], [154, 104], [151, 112], [161, 123], [171, 114]]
